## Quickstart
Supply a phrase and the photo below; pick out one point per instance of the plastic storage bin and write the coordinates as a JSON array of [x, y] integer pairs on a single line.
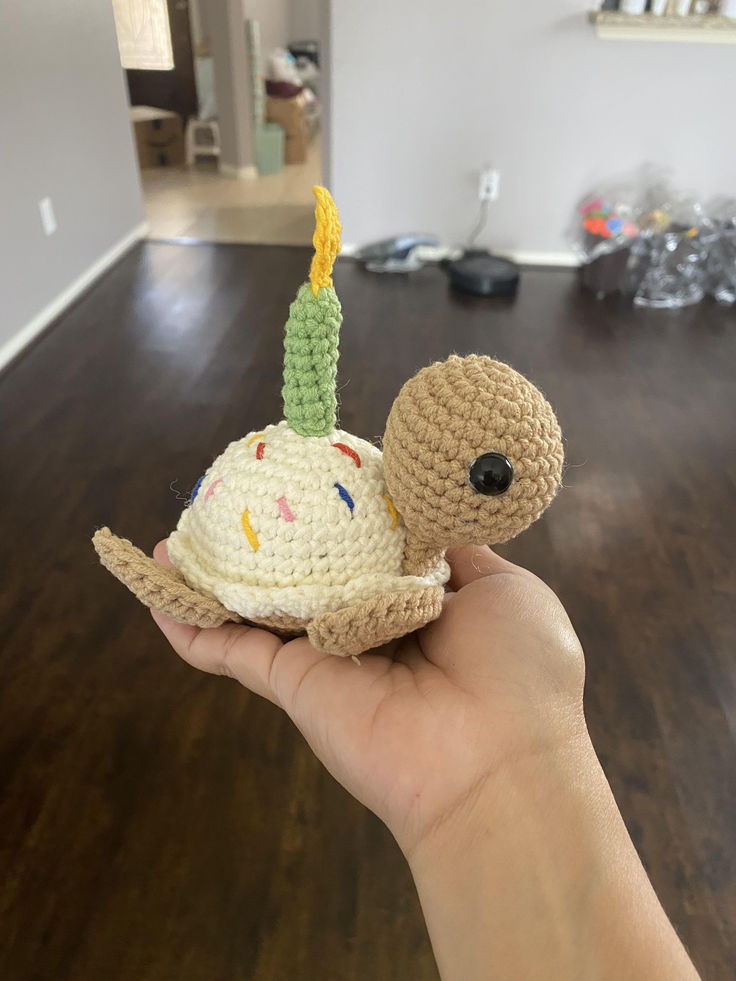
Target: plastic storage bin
[[269, 148]]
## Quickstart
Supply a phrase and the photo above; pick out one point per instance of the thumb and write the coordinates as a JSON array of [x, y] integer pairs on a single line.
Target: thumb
[[471, 562]]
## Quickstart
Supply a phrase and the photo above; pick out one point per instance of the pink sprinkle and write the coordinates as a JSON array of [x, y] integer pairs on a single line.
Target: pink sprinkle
[[211, 488], [285, 509]]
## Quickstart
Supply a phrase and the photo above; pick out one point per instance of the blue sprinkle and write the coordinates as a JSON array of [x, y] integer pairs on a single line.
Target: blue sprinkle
[[345, 496], [195, 490]]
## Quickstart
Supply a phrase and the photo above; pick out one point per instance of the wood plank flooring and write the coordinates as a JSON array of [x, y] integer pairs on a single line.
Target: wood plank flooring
[[160, 824]]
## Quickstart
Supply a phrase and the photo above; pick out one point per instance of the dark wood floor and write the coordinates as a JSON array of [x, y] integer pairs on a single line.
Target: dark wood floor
[[161, 824]]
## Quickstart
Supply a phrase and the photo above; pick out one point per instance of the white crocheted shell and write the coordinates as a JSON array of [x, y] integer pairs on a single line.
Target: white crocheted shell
[[283, 523]]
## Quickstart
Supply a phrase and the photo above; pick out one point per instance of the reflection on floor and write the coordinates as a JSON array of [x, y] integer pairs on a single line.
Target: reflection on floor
[[199, 203]]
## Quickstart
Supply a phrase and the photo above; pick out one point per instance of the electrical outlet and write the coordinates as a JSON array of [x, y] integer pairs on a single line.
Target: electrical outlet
[[488, 188], [48, 218]]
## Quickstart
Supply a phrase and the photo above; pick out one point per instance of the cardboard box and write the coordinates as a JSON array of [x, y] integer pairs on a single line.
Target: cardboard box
[[289, 114], [159, 137]]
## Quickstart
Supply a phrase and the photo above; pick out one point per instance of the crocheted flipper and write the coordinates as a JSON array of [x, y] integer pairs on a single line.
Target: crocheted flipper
[[356, 629], [160, 587], [312, 331]]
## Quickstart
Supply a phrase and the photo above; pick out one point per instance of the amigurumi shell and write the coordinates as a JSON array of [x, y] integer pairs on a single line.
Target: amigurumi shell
[[303, 528]]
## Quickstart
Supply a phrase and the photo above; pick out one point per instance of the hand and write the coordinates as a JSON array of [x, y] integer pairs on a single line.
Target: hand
[[419, 728], [468, 739]]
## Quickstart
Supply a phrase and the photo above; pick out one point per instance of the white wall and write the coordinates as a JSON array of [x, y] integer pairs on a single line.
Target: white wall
[[423, 92], [64, 132], [226, 26], [198, 22]]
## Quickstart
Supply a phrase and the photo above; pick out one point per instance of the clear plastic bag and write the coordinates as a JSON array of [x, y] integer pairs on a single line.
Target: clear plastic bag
[[645, 239], [675, 269], [721, 271], [605, 228], [606, 222]]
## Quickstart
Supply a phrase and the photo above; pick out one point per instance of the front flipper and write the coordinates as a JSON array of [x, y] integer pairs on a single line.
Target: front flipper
[[160, 587], [376, 621]]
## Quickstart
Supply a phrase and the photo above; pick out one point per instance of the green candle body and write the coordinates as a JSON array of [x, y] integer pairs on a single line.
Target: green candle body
[[310, 361]]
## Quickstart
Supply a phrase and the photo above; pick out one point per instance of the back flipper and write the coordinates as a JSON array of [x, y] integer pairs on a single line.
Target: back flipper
[[160, 587]]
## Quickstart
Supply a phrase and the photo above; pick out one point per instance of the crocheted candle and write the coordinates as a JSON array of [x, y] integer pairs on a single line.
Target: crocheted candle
[[301, 527], [312, 331]]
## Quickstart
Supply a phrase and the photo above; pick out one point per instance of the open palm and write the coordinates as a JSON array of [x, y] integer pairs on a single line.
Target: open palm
[[417, 727]]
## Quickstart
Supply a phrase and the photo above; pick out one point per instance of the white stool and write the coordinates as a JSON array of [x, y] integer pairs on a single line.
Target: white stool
[[195, 128]]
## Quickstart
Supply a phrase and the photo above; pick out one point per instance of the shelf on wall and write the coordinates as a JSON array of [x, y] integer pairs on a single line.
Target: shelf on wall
[[613, 25]]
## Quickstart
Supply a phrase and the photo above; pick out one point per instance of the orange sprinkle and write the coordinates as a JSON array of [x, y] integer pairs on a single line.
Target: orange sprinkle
[[249, 533], [254, 438], [348, 452], [392, 511]]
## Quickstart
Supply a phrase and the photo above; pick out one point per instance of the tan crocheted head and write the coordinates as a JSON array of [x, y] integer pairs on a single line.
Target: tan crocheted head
[[303, 528]]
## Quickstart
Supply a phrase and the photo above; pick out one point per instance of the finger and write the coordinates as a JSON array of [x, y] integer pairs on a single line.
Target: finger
[[161, 554], [321, 693], [473, 562], [247, 654], [269, 667]]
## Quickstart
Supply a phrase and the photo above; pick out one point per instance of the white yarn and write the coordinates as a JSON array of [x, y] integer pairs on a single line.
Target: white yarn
[[327, 558]]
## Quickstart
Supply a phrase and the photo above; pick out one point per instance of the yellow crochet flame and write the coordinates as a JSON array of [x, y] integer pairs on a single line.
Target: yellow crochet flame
[[326, 239]]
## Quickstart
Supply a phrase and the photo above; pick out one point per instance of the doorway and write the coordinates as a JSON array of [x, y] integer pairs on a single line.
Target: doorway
[[194, 194]]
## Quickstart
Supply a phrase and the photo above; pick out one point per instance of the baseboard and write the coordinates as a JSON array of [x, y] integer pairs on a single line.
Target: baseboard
[[241, 173], [26, 334], [530, 258], [435, 253]]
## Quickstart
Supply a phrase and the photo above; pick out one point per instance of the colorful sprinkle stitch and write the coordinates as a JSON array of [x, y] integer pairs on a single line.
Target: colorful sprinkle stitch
[[259, 451], [346, 497], [348, 452], [392, 511], [195, 490], [254, 438], [285, 509], [211, 489], [249, 533]]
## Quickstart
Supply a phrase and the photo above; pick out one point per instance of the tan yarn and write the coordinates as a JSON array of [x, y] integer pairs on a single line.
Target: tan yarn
[[282, 624], [420, 558], [376, 621], [347, 632], [442, 420], [159, 587], [164, 589]]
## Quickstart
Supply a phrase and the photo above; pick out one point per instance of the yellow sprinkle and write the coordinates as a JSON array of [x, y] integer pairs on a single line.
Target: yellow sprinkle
[[326, 239], [254, 438], [249, 533], [392, 511]]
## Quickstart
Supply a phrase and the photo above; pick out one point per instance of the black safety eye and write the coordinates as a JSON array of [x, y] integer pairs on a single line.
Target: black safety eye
[[491, 474]]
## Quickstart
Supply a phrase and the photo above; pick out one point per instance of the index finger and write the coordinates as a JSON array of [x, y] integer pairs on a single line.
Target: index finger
[[161, 553], [234, 650]]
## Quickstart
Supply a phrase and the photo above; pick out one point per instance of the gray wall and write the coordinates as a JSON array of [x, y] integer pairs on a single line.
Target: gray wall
[[64, 133], [423, 92], [305, 19], [226, 24], [273, 16]]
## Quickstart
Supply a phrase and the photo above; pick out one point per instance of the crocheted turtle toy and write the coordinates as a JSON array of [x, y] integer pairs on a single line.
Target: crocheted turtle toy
[[303, 528]]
